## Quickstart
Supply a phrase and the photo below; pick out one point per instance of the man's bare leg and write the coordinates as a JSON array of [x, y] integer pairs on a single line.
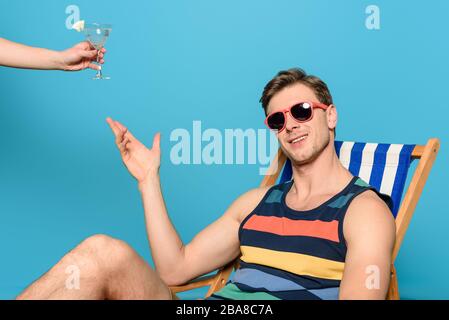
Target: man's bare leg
[[108, 269]]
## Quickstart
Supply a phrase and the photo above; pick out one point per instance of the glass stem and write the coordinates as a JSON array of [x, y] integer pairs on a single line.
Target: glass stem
[[99, 74]]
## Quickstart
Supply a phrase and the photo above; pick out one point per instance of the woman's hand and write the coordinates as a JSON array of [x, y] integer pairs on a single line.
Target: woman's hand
[[80, 57]]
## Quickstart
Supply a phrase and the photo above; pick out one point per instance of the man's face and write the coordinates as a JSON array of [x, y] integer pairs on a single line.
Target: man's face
[[316, 130]]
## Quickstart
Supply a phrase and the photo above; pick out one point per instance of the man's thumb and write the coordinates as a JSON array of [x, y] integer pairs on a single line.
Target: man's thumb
[[157, 141]]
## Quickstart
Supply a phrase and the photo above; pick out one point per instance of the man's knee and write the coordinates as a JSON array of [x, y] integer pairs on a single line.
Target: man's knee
[[106, 250], [96, 243]]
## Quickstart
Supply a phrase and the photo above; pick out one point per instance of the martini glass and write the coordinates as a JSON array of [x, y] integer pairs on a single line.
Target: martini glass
[[97, 34]]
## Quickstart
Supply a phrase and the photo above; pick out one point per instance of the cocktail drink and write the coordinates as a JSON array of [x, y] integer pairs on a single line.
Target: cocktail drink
[[97, 34]]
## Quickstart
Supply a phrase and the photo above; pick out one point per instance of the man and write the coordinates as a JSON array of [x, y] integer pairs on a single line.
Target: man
[[79, 57], [318, 236]]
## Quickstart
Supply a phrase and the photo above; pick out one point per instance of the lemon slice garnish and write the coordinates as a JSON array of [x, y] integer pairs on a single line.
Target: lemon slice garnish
[[78, 26]]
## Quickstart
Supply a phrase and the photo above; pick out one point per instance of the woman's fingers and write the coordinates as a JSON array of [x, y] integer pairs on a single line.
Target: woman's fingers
[[94, 66], [88, 54]]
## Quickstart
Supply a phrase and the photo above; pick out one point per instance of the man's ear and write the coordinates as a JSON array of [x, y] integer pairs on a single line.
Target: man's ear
[[332, 116]]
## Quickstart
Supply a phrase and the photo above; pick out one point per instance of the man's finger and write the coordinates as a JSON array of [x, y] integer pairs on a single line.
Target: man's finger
[[121, 130], [122, 145], [114, 128], [121, 126], [157, 141], [120, 137], [130, 136], [126, 143]]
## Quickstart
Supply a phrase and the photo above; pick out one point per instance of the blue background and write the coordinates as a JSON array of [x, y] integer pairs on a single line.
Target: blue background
[[173, 62]]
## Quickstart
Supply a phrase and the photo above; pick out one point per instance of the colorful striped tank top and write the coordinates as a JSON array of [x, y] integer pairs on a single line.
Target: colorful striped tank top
[[290, 254]]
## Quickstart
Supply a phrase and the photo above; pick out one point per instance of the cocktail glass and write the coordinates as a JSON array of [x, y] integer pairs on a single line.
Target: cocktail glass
[[97, 34]]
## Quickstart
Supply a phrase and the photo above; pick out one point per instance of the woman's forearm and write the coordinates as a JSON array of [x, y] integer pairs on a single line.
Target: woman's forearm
[[166, 246], [21, 56]]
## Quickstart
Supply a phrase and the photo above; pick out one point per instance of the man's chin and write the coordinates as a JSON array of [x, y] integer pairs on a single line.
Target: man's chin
[[300, 162], [298, 159]]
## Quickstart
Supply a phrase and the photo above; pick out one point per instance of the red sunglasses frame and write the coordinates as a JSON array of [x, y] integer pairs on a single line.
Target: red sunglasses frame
[[284, 111]]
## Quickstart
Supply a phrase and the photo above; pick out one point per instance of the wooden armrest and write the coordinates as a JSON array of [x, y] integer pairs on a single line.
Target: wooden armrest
[[194, 284], [214, 281]]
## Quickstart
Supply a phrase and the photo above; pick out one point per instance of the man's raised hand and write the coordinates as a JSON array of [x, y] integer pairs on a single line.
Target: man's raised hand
[[141, 162]]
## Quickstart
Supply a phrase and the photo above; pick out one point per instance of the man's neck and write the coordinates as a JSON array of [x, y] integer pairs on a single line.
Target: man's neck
[[323, 175]]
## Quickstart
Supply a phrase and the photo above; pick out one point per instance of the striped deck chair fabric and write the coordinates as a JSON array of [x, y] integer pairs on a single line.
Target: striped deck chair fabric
[[383, 166]]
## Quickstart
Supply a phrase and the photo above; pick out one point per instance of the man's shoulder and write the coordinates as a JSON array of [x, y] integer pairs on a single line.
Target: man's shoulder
[[368, 210], [257, 192], [249, 200], [369, 199], [254, 196]]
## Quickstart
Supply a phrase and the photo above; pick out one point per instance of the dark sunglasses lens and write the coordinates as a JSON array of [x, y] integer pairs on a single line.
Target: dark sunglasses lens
[[302, 111], [276, 121]]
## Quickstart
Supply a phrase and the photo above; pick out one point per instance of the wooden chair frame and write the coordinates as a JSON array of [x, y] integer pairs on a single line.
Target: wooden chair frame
[[426, 155]]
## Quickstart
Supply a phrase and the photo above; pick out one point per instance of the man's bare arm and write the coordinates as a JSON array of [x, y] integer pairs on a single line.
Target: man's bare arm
[[369, 230], [213, 247]]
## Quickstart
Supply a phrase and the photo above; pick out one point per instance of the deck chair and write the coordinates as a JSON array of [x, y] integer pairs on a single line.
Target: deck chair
[[383, 166]]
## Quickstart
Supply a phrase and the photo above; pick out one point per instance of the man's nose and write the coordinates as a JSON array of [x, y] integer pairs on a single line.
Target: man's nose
[[290, 123]]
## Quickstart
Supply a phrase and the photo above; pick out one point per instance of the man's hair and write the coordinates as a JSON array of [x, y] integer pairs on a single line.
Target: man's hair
[[286, 78], [293, 76]]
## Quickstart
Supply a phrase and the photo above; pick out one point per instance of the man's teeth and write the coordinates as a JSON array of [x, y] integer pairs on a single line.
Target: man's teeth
[[299, 139]]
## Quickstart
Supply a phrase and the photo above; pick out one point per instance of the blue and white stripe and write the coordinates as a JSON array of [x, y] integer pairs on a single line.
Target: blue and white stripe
[[383, 166]]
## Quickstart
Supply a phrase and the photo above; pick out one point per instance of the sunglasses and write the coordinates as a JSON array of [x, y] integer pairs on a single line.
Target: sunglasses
[[301, 112]]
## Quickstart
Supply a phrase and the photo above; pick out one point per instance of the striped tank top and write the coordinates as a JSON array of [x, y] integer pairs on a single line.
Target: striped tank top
[[290, 254]]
